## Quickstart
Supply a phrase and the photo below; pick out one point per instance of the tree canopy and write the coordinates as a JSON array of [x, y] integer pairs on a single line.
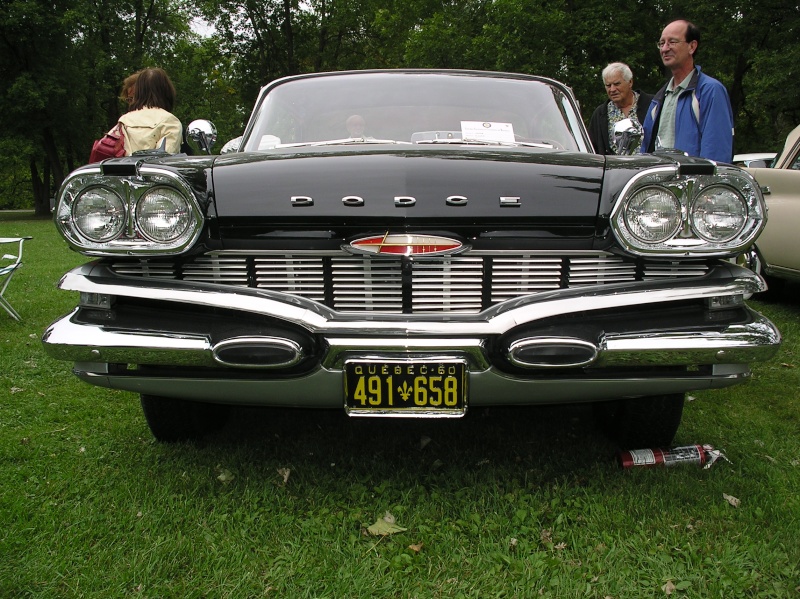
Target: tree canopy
[[63, 63]]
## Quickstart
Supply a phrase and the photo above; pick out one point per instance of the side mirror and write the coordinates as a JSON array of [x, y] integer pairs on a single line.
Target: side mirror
[[202, 134], [628, 137]]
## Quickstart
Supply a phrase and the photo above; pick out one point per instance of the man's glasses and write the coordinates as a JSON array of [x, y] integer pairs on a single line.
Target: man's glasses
[[669, 43]]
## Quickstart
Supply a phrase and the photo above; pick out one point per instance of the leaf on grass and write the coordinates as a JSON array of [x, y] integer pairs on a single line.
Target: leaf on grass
[[284, 472], [16, 390], [385, 526], [561, 546], [668, 588], [225, 476], [734, 501], [546, 536], [785, 365], [416, 547], [423, 441]]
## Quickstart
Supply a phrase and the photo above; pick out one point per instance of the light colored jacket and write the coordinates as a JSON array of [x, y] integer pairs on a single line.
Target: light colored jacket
[[146, 129]]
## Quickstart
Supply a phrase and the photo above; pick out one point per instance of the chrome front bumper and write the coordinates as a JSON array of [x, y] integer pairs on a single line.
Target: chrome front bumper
[[723, 351]]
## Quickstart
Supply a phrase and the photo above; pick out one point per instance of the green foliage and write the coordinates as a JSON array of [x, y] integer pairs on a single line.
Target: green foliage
[[503, 503], [63, 63]]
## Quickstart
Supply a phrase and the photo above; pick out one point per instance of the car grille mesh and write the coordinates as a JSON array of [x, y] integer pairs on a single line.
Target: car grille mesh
[[464, 284]]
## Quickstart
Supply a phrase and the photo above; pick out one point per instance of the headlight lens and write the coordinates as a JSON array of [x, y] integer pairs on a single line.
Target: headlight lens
[[99, 214], [719, 214], [653, 214], [163, 214]]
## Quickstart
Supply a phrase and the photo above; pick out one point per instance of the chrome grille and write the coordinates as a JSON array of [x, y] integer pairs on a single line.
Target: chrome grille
[[361, 284], [290, 274], [466, 283]]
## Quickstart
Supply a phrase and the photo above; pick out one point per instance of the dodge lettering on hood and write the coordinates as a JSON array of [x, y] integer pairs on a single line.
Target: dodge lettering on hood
[[411, 244]]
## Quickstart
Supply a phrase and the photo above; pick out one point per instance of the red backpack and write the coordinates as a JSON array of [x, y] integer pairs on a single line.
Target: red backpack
[[111, 145]]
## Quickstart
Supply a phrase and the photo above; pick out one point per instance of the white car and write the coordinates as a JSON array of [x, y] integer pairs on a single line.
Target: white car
[[778, 248]]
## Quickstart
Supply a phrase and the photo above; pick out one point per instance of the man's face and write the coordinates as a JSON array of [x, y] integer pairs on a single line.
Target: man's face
[[618, 89], [676, 52]]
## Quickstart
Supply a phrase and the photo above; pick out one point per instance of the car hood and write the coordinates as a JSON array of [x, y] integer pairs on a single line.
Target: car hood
[[301, 186]]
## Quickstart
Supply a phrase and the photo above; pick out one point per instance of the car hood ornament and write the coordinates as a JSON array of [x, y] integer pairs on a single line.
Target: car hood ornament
[[405, 244]]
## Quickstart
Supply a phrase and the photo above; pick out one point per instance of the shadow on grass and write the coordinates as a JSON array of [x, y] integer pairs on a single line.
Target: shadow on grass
[[781, 292], [546, 443]]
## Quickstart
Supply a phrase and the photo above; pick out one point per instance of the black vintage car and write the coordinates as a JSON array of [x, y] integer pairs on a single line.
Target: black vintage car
[[412, 244]]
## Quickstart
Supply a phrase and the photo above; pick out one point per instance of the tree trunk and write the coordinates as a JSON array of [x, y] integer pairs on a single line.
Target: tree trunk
[[41, 195]]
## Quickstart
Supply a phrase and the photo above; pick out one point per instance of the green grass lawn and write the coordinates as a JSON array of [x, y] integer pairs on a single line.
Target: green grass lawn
[[504, 503]]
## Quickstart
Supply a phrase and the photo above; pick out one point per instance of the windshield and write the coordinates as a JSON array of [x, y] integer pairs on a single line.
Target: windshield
[[416, 108]]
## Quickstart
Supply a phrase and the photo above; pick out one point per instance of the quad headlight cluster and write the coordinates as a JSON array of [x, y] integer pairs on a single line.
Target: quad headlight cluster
[[153, 212], [662, 212]]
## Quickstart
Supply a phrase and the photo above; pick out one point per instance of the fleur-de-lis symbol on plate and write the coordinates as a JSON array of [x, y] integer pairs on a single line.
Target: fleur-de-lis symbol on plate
[[405, 391]]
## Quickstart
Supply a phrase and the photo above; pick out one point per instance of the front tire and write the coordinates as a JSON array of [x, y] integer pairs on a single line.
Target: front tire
[[641, 422], [171, 420]]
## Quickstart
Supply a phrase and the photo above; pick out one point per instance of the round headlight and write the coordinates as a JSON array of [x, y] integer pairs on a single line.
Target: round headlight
[[163, 214], [99, 214], [719, 214], [653, 214]]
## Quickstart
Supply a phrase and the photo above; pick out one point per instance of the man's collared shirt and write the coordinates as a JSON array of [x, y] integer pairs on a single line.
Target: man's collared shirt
[[666, 122]]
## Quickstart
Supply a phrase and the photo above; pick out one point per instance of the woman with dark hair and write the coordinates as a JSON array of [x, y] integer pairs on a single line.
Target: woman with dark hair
[[150, 124]]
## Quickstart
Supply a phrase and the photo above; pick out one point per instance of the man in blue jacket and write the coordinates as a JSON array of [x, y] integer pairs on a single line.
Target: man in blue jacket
[[692, 112]]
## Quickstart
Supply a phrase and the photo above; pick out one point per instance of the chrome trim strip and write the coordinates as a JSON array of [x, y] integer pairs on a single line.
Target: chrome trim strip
[[65, 340], [496, 320], [737, 344], [323, 388], [782, 272], [342, 349], [510, 201]]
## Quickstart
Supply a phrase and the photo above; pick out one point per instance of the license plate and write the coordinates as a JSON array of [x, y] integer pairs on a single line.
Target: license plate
[[405, 388]]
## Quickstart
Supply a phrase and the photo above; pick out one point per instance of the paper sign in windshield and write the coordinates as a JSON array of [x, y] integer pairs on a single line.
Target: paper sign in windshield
[[487, 131]]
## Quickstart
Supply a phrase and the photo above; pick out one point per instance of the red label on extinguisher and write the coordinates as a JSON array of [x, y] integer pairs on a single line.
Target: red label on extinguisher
[[688, 454]]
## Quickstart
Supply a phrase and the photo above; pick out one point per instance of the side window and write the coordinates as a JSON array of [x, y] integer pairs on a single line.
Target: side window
[[795, 165]]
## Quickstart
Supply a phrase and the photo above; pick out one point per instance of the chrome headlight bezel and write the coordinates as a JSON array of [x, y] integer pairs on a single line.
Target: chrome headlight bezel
[[721, 214], [131, 236]]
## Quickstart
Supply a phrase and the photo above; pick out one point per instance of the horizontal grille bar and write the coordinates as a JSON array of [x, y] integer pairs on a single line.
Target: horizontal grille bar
[[444, 284]]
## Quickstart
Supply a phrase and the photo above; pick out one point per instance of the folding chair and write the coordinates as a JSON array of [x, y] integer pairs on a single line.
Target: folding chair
[[7, 271]]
